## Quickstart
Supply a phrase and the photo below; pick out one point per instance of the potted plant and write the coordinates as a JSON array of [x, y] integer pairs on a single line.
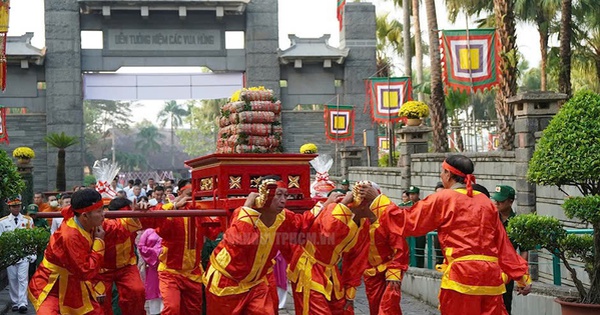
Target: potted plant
[[568, 154], [414, 111], [23, 154]]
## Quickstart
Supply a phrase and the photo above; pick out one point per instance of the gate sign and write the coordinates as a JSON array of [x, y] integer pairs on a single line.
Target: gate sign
[[148, 40]]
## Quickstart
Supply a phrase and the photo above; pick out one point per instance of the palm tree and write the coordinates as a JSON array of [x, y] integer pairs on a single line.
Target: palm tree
[[455, 102], [388, 37], [542, 13], [146, 139], [418, 46], [438, 109], [61, 142], [564, 77], [173, 114], [505, 23]]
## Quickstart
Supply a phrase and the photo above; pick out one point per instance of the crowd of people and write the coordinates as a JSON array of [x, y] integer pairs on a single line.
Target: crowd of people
[[356, 235]]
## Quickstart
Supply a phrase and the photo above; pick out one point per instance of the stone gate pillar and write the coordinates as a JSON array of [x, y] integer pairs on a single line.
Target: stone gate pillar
[[64, 98], [358, 35], [262, 45], [533, 112], [412, 140]]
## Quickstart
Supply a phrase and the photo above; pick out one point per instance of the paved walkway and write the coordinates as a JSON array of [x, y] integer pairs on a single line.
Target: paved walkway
[[410, 305]]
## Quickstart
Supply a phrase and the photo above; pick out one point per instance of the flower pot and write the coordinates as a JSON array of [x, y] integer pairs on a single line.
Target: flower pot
[[572, 308], [23, 160], [413, 122]]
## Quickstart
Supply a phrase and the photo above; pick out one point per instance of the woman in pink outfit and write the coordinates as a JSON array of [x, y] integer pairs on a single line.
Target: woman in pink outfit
[[149, 248]]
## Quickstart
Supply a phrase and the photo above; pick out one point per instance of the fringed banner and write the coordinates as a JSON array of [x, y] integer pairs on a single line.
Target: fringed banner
[[4, 13], [470, 63], [3, 132], [386, 96], [340, 12], [339, 122], [383, 143]]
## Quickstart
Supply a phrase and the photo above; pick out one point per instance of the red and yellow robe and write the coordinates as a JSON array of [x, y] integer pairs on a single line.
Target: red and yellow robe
[[313, 270], [71, 263], [241, 260], [479, 258], [120, 266], [387, 261], [182, 241]]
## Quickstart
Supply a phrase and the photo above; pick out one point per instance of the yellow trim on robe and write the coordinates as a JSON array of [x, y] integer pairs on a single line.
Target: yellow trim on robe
[[218, 264], [454, 285]]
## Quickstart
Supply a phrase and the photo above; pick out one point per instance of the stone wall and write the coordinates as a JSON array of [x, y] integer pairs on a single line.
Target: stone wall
[[262, 43], [29, 130], [64, 110], [425, 285], [491, 169]]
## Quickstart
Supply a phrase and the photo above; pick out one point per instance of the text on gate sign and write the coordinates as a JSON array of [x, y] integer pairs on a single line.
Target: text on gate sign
[[145, 39]]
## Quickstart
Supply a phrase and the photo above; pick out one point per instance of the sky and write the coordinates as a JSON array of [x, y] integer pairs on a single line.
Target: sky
[[304, 18]]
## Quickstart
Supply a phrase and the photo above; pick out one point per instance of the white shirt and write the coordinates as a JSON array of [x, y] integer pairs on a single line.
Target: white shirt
[[8, 224], [55, 224]]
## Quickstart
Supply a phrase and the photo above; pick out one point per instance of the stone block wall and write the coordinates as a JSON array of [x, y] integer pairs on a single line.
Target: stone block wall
[[64, 86], [29, 130], [262, 44]]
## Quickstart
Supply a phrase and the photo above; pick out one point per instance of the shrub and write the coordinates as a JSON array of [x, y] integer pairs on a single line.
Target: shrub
[[568, 154], [11, 183], [20, 243]]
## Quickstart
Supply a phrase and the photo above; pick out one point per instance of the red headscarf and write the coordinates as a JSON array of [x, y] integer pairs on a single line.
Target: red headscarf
[[469, 178], [68, 211]]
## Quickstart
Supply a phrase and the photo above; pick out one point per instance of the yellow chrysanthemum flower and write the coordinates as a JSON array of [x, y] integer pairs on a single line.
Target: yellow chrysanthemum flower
[[414, 109], [23, 153], [308, 148]]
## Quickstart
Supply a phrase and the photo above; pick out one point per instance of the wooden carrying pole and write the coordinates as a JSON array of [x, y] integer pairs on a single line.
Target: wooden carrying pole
[[148, 214]]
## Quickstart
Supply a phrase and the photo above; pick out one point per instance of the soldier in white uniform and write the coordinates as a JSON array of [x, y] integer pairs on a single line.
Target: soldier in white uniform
[[17, 273]]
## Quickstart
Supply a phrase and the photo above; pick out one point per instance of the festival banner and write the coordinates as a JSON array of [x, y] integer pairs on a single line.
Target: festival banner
[[4, 13], [339, 122], [3, 133], [340, 12], [386, 96], [470, 63], [384, 143]]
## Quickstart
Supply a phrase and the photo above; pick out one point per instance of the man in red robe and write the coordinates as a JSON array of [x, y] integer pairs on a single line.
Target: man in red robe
[[336, 234], [180, 267], [236, 279], [120, 262], [479, 258], [387, 263], [63, 282]]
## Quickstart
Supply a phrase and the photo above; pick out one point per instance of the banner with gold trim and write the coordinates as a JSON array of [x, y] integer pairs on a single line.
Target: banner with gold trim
[[383, 143], [339, 122], [470, 61], [4, 13], [3, 132], [386, 96]]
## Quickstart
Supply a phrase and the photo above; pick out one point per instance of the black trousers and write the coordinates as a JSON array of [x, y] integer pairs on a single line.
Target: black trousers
[[508, 296]]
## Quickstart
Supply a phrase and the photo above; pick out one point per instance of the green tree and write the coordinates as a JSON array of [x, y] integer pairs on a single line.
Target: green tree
[[99, 117], [509, 59], [61, 142], [131, 162], [455, 103], [532, 80], [173, 114], [11, 182], [567, 155], [437, 107], [542, 14], [147, 139], [200, 138], [564, 76]]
